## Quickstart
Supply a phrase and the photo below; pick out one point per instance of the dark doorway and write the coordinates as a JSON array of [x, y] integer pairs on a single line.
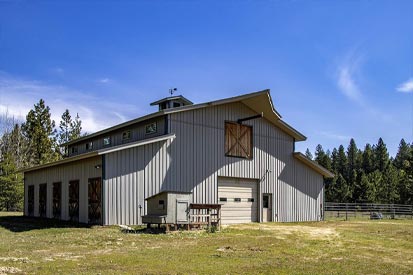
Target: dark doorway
[[74, 200], [30, 200], [95, 201], [57, 200], [42, 199]]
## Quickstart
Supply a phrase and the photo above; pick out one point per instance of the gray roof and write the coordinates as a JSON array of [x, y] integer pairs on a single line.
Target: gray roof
[[260, 102], [178, 97]]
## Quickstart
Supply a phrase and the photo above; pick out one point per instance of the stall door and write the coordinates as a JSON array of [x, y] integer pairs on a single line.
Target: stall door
[[30, 200], [57, 200], [95, 201], [74, 200], [42, 199], [238, 198]]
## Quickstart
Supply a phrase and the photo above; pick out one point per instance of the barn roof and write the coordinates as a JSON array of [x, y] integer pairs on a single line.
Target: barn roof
[[101, 152], [314, 165], [259, 102]]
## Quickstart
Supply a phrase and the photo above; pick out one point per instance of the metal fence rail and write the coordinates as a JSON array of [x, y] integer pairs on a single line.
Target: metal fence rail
[[367, 210]]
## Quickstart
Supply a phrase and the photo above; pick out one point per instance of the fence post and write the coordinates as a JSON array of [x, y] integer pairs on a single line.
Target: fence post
[[346, 211]]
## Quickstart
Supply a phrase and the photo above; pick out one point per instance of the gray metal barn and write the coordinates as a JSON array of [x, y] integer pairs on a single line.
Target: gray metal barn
[[237, 152]]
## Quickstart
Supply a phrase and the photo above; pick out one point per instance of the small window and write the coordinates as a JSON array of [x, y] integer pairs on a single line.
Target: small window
[[161, 204], [237, 199], [106, 141], [250, 199], [126, 135], [238, 140], [222, 199], [265, 202], [89, 146], [74, 149], [176, 104], [151, 128]]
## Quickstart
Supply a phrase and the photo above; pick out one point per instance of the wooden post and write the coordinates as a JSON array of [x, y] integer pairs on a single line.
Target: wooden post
[[346, 211]]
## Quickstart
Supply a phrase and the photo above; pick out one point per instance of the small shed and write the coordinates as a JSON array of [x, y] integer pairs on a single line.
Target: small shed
[[168, 207]]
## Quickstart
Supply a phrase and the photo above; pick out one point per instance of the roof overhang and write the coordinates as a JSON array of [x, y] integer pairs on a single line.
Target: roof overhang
[[259, 102], [101, 152], [313, 165]]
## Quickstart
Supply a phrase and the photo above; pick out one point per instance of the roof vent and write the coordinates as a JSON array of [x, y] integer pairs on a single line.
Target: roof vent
[[172, 102]]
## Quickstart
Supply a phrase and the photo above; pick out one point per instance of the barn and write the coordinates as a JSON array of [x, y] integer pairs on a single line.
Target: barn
[[236, 152]]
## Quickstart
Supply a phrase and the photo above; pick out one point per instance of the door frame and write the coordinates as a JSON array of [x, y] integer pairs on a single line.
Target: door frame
[[271, 207]]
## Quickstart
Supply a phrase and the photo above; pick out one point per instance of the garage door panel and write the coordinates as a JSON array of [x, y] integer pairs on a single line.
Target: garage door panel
[[241, 200]]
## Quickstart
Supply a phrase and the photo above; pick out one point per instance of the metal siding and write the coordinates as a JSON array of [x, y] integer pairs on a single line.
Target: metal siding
[[142, 173], [81, 170], [292, 185]]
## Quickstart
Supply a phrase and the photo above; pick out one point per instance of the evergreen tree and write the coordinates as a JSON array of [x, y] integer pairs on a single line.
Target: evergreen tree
[[389, 192], [39, 130], [69, 130], [308, 154], [367, 159], [342, 162], [403, 156], [11, 184], [381, 156]]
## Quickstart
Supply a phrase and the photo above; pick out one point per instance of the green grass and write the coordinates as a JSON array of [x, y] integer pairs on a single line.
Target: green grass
[[34, 246]]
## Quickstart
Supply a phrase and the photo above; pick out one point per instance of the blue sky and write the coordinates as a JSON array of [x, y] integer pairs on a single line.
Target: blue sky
[[336, 69]]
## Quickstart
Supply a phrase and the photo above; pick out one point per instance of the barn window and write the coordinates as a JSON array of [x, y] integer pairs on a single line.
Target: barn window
[[161, 204], [238, 140], [106, 141], [222, 199], [151, 128], [89, 146], [250, 199], [126, 135], [74, 149], [237, 199]]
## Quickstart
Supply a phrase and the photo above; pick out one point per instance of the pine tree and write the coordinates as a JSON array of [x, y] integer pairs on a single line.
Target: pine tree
[[403, 156], [368, 159], [11, 184], [342, 162], [308, 154], [39, 130], [381, 156], [69, 130]]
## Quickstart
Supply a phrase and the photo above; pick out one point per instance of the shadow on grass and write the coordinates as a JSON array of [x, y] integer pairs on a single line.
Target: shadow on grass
[[15, 223]]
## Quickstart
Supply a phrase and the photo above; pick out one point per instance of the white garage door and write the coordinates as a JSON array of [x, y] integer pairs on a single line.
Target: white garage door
[[239, 200]]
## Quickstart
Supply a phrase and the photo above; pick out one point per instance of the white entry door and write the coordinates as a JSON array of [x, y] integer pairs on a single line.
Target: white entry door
[[238, 198]]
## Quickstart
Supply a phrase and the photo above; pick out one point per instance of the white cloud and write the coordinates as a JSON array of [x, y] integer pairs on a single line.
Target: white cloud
[[406, 87], [335, 136], [346, 78], [17, 97], [104, 80]]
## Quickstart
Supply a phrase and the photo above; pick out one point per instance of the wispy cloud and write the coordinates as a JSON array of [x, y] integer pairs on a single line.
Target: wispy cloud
[[104, 80], [335, 136], [347, 73], [17, 97], [406, 87]]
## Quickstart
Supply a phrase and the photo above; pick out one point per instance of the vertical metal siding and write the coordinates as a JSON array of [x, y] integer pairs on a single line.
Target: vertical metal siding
[[80, 170]]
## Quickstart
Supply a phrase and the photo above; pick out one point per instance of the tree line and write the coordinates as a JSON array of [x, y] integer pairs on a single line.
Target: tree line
[[28, 143], [367, 175]]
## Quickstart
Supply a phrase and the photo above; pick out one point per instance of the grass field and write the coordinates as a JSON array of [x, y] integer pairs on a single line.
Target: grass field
[[31, 246]]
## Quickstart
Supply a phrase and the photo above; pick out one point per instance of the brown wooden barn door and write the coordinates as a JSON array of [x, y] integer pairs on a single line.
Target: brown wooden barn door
[[74, 200], [238, 140], [30, 200], [95, 201], [57, 200], [42, 199]]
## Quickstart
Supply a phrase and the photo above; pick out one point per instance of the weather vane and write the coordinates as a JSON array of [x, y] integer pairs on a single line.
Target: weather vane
[[172, 90]]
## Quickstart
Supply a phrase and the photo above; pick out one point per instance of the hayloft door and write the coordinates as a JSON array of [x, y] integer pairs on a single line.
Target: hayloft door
[[95, 201]]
